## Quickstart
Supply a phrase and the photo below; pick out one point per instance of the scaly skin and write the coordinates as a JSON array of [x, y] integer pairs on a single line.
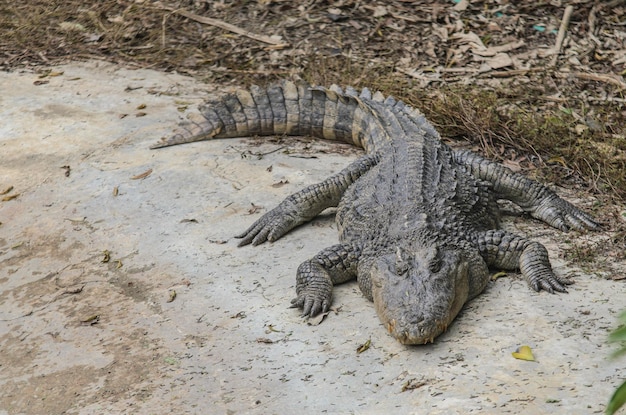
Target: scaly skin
[[417, 220]]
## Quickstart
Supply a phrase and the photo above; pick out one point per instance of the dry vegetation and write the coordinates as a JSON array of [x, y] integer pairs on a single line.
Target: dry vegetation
[[494, 75]]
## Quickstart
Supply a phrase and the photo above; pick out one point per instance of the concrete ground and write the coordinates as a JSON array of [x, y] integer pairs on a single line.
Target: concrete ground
[[188, 323]]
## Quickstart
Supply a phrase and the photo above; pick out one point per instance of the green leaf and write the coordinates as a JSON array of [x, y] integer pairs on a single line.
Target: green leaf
[[617, 400], [618, 335]]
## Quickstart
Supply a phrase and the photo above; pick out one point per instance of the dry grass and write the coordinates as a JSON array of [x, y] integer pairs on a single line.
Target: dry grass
[[568, 129]]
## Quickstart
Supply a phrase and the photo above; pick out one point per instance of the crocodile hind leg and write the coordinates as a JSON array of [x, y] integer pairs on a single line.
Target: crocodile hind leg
[[316, 277], [509, 251], [304, 205], [533, 197]]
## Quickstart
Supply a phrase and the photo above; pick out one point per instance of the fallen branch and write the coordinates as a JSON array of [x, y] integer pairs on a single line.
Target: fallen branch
[[277, 43], [560, 37], [606, 78], [513, 72]]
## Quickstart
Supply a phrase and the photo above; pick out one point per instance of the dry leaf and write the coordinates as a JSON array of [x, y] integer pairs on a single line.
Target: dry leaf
[[107, 256], [380, 11], [412, 384], [461, 6], [142, 175], [172, 296], [364, 346], [280, 183], [500, 60], [253, 209], [10, 197], [90, 321], [7, 190], [317, 320]]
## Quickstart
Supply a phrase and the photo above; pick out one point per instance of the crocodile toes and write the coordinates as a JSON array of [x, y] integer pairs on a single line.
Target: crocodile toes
[[311, 306]]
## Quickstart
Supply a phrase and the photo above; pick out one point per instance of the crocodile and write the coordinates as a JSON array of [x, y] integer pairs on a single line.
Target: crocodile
[[417, 220]]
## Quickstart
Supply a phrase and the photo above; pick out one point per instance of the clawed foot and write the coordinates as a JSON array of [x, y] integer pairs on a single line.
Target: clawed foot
[[535, 267], [311, 304], [314, 288], [271, 226], [549, 282], [563, 215]]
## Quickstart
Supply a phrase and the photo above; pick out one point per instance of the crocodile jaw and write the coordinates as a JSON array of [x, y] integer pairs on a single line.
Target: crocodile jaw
[[420, 304]]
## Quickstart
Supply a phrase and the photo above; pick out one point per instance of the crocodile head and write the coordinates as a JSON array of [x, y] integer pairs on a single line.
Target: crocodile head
[[417, 292]]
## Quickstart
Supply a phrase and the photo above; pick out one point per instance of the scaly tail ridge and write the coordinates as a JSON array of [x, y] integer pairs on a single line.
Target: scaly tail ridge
[[286, 108]]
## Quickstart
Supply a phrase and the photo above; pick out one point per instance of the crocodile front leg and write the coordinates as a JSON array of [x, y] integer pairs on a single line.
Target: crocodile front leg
[[509, 251], [304, 205], [316, 277], [535, 198]]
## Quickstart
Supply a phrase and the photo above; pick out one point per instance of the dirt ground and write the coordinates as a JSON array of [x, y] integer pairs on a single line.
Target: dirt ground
[[122, 291]]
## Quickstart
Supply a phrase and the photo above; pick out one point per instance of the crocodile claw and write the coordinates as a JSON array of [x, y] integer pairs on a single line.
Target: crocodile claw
[[562, 215], [310, 305], [269, 227], [550, 283]]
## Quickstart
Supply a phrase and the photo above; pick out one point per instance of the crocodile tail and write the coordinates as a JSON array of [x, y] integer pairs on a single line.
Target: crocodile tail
[[286, 108]]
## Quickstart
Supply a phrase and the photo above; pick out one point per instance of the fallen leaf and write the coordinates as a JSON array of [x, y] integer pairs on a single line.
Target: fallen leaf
[[107, 256], [77, 220], [10, 197], [364, 346], [142, 175], [524, 353], [71, 27], [500, 60], [317, 320], [253, 209], [7, 190], [264, 340], [461, 5], [498, 275], [557, 159], [90, 321], [380, 11], [270, 328], [412, 384], [241, 314], [172, 296]]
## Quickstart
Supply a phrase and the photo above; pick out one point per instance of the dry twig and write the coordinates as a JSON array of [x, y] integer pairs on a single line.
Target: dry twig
[[560, 37], [607, 78], [230, 27]]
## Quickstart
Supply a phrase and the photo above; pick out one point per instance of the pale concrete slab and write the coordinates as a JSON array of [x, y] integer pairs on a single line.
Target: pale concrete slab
[[228, 343]]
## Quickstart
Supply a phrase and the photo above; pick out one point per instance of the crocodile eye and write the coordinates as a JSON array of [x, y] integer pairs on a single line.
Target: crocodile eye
[[434, 265], [401, 268]]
